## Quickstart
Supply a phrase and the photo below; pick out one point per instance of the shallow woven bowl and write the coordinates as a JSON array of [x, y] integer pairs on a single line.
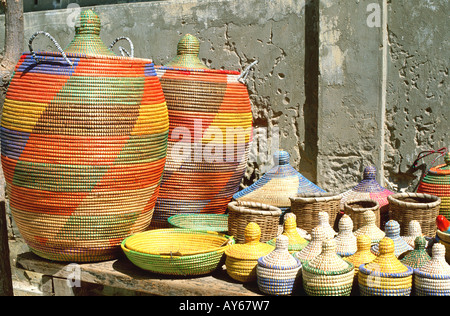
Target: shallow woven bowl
[[201, 222], [175, 251], [445, 240]]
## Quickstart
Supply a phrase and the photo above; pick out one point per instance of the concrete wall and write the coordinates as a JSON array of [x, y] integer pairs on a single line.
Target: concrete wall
[[347, 83]]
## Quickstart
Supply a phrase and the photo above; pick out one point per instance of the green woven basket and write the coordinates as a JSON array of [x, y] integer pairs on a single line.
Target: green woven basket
[[201, 222], [174, 251]]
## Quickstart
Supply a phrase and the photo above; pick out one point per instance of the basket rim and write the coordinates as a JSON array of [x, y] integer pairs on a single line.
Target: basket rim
[[434, 200], [90, 56], [172, 220], [198, 70], [308, 268], [363, 200], [316, 197], [181, 232], [433, 276], [262, 209], [407, 273]]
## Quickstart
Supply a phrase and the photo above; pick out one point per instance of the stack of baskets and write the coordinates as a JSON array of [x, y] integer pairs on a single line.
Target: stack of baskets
[[84, 139]]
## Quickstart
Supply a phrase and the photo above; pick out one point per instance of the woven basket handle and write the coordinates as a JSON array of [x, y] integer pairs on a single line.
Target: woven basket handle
[[30, 42], [243, 76], [123, 51]]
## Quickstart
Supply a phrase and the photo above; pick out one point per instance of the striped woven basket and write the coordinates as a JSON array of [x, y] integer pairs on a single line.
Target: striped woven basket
[[328, 274], [424, 208], [385, 275], [175, 251], [278, 273], [419, 256], [392, 230], [346, 243], [295, 241], [433, 278], [369, 228], [84, 139], [210, 133], [437, 182], [202, 222]]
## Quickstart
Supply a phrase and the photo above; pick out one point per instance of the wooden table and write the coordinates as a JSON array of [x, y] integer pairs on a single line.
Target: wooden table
[[121, 273]]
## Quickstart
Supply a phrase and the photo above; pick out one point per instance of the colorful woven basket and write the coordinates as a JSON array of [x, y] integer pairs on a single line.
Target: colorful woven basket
[[346, 244], [278, 272], [303, 233], [414, 231], [370, 189], [242, 259], [437, 182], [84, 140], [240, 214], [362, 255], [356, 209], [306, 206], [417, 257], [392, 230], [424, 208], [328, 274], [209, 135], [324, 222], [433, 278], [174, 251], [369, 228], [295, 241], [444, 238], [385, 275], [313, 248], [202, 222], [277, 185]]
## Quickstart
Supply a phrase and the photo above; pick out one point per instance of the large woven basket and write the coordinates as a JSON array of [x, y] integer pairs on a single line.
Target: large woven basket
[[210, 133], [175, 251], [307, 206], [277, 185], [356, 208], [240, 214], [424, 208], [437, 182], [328, 274], [84, 139], [385, 275]]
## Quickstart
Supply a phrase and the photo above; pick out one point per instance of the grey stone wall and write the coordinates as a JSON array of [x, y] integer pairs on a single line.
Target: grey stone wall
[[346, 83]]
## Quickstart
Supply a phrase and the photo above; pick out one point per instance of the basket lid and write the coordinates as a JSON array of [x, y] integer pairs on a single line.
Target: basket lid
[[392, 230], [314, 247], [295, 241], [363, 254], [436, 174], [370, 228], [277, 185], [328, 261], [345, 240], [252, 249], [280, 258], [324, 222], [188, 49], [87, 36], [437, 265], [417, 257], [414, 231], [386, 261]]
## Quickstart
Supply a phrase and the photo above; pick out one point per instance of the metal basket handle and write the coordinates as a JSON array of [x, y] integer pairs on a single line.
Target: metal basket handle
[[123, 51], [30, 42]]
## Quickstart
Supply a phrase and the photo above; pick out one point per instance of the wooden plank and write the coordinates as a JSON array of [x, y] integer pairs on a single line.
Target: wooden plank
[[121, 273], [6, 287]]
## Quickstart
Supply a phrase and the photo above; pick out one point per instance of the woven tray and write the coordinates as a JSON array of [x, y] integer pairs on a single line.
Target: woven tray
[[174, 251]]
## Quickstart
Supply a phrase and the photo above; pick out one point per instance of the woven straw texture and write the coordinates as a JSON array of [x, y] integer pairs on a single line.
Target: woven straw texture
[[437, 182], [356, 209], [346, 244], [174, 251], [444, 238], [300, 231], [210, 133], [240, 214], [406, 207], [314, 247], [385, 275], [417, 257], [277, 185], [202, 222], [414, 231], [295, 241], [392, 230], [362, 255], [433, 278], [369, 228], [307, 206], [278, 272], [242, 259], [370, 189], [83, 148], [328, 274]]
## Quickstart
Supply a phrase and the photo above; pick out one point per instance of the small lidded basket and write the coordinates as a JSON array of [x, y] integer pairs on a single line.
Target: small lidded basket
[[417, 257], [314, 248], [328, 274], [414, 231], [392, 231], [278, 272], [370, 229], [363, 255], [242, 259], [433, 279], [386, 275], [295, 241], [346, 244]]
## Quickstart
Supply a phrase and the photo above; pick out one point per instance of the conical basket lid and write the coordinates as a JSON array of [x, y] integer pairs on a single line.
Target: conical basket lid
[[252, 249], [87, 36], [188, 49], [278, 184]]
